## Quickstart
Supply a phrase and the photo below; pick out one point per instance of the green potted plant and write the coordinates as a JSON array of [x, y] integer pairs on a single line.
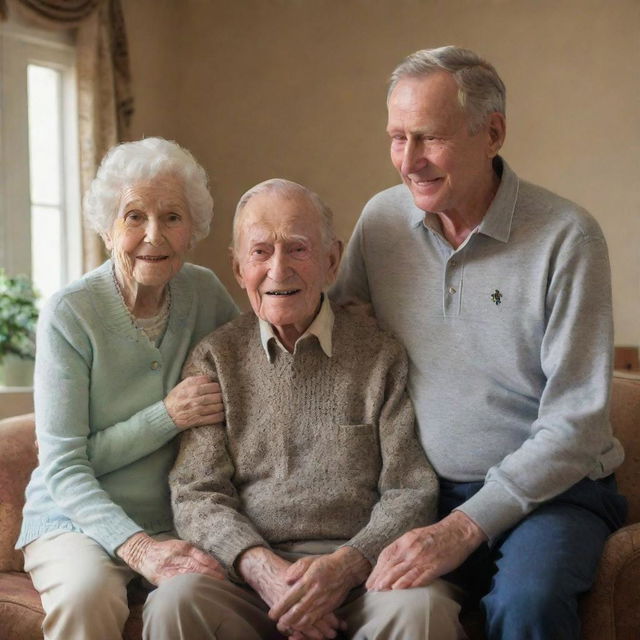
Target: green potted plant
[[18, 317]]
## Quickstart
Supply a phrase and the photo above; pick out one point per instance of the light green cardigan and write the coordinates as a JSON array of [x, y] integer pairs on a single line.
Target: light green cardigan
[[105, 438]]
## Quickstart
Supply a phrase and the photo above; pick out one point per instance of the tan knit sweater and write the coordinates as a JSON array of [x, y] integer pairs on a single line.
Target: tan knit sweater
[[314, 448]]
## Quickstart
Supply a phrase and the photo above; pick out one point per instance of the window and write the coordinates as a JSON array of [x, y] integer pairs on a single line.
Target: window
[[40, 230]]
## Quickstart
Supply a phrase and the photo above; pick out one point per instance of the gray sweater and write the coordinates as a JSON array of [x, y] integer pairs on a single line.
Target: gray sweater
[[315, 448], [509, 340]]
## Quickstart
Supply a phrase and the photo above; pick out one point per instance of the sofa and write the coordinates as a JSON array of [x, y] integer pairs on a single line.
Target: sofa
[[610, 611]]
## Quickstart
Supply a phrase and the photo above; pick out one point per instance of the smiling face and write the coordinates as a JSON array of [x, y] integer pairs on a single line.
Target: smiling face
[[151, 233], [281, 261], [445, 167]]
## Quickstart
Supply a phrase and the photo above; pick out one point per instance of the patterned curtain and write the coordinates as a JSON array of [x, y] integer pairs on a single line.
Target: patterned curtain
[[105, 101]]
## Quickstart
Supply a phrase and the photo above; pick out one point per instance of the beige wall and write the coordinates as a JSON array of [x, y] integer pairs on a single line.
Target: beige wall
[[295, 88]]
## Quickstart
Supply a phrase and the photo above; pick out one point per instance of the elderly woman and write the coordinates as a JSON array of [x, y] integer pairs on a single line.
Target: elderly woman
[[110, 348], [318, 467]]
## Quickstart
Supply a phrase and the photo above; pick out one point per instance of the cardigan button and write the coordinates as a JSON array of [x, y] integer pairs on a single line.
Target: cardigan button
[[155, 365]]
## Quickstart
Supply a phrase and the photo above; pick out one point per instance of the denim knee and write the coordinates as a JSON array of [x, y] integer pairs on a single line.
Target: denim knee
[[529, 610]]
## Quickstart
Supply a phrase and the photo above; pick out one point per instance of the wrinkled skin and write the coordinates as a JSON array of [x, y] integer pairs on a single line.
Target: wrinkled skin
[[158, 560], [421, 555], [294, 589], [195, 402]]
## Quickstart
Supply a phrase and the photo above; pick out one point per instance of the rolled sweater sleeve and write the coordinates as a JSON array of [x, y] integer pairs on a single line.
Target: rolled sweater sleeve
[[572, 434], [408, 485], [62, 383], [205, 503]]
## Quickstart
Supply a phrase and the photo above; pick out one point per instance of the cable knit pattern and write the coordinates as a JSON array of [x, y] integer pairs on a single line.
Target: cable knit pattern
[[315, 447]]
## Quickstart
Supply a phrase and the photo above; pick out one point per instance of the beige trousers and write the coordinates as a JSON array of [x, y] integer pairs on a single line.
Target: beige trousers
[[83, 591], [84, 595], [195, 607]]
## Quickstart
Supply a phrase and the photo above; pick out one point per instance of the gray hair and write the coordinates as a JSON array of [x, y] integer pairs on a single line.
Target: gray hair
[[131, 162], [481, 92], [287, 188]]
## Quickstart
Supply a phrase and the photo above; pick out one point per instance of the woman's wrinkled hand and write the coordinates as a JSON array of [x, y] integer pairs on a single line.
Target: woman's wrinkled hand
[[195, 402], [159, 560]]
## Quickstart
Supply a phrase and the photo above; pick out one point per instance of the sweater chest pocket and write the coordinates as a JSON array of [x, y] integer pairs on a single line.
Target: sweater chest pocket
[[357, 454]]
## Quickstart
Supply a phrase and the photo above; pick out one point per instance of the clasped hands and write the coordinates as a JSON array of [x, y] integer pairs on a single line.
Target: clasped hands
[[304, 595]]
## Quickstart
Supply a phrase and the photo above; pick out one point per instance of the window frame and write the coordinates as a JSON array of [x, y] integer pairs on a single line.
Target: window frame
[[20, 46]]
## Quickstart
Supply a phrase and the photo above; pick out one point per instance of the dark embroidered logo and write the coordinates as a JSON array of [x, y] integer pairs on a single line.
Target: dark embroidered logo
[[496, 297]]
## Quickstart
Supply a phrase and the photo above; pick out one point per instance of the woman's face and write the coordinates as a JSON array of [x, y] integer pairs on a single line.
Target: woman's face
[[152, 231]]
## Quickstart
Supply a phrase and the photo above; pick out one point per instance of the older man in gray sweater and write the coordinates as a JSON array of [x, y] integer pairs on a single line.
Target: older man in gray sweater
[[318, 467], [500, 292]]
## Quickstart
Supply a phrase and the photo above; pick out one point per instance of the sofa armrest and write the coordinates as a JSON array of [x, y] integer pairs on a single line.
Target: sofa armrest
[[611, 610], [17, 460]]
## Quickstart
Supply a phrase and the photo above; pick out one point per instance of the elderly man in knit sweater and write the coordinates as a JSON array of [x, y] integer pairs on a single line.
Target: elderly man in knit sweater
[[318, 467]]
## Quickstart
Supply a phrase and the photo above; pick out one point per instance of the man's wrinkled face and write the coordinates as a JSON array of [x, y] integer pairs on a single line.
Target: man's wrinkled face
[[438, 159], [281, 261]]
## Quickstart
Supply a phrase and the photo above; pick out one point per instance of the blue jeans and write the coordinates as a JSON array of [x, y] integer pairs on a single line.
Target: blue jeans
[[528, 581]]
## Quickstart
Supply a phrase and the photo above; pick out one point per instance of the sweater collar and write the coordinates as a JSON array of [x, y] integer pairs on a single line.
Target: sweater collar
[[321, 328]]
